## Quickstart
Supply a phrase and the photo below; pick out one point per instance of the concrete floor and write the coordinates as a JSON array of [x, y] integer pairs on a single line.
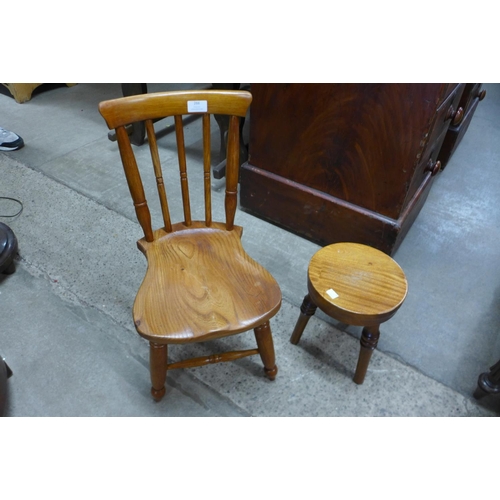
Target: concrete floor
[[67, 331]]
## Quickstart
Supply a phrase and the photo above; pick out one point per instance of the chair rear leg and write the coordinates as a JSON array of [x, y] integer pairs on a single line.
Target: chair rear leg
[[158, 369], [266, 349]]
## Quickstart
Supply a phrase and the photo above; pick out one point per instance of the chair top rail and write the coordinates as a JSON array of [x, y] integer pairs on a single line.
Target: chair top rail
[[125, 110]]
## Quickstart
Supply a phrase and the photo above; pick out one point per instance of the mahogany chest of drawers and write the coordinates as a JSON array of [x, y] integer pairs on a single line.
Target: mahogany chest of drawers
[[346, 162]]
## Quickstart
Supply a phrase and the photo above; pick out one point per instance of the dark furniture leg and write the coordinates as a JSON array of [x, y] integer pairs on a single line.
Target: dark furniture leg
[[219, 171], [488, 383], [138, 134], [307, 309], [369, 341]]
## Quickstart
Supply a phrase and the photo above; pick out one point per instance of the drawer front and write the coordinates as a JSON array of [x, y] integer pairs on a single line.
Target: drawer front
[[434, 139], [455, 134], [446, 114], [471, 92]]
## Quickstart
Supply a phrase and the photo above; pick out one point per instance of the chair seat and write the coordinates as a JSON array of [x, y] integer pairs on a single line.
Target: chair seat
[[356, 284], [201, 285]]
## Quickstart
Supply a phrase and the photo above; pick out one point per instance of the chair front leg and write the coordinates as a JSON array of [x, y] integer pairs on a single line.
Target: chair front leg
[[265, 344], [158, 368]]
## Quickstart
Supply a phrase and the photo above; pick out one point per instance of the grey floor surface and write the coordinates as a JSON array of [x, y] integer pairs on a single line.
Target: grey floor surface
[[66, 328]]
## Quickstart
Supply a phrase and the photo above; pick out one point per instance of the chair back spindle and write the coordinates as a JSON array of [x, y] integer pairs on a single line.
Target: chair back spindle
[[134, 182], [232, 171], [181, 150], [149, 107], [206, 170], [155, 157]]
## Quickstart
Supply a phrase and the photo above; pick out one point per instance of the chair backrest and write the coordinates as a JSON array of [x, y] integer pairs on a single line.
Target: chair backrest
[[121, 112]]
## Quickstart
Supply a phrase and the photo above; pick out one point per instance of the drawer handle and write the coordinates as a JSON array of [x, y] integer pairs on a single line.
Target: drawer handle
[[433, 168], [459, 116], [456, 117], [482, 95]]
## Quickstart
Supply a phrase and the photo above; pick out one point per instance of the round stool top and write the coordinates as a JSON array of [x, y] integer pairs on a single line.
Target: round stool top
[[356, 284]]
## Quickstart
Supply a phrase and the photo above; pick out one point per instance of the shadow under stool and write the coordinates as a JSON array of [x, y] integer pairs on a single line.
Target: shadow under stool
[[357, 285]]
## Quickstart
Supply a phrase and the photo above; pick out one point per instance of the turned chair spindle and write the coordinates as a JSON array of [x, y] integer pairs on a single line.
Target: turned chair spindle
[[155, 157]]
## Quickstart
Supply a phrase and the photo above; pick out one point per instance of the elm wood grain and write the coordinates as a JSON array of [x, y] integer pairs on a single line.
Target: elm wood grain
[[370, 288], [365, 147], [200, 283]]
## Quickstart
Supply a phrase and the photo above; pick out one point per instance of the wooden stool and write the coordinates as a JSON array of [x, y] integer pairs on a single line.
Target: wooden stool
[[357, 285]]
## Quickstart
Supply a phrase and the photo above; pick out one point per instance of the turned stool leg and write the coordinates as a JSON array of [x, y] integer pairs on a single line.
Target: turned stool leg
[[307, 309], [369, 340], [265, 344], [158, 369]]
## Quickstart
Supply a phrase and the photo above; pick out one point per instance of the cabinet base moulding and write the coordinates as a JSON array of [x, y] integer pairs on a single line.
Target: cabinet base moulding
[[276, 199]]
